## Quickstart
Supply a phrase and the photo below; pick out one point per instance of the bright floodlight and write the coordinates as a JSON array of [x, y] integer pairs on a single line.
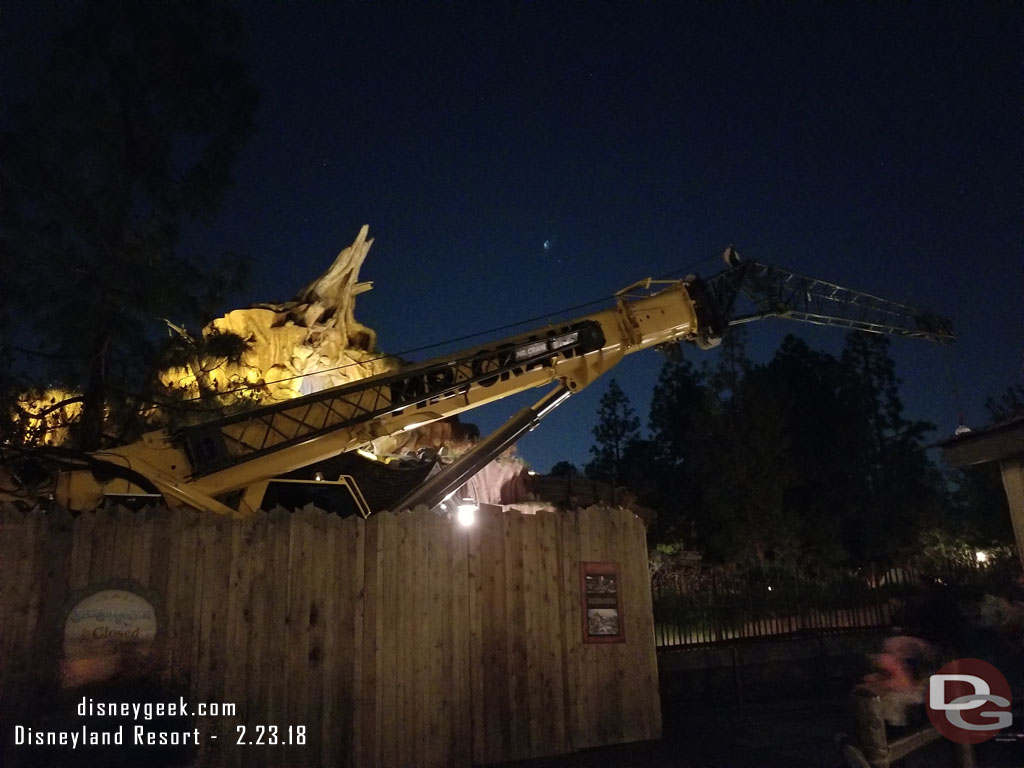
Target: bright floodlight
[[981, 556], [467, 513]]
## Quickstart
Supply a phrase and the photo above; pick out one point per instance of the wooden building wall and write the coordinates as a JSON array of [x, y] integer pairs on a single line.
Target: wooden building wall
[[401, 640]]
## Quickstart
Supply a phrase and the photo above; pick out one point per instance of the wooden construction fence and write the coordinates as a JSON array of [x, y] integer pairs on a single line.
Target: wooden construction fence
[[400, 640]]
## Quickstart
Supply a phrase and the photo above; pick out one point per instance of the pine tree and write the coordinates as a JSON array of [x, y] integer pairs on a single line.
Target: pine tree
[[678, 419], [617, 428], [897, 489], [129, 138]]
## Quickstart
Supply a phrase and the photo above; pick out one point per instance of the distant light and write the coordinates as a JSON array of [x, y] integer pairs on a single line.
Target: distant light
[[531, 472], [319, 477], [769, 587], [981, 556], [467, 513]]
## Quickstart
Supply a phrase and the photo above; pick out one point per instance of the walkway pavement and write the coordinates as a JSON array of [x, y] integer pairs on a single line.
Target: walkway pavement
[[789, 734]]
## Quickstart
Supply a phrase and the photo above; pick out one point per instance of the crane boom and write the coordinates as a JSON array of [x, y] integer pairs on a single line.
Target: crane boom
[[202, 465], [777, 292]]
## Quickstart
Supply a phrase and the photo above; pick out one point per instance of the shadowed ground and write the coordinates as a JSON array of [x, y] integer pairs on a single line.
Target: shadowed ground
[[790, 734]]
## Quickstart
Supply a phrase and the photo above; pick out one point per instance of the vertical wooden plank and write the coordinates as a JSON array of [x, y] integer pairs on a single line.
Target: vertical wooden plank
[[26, 533], [573, 647], [163, 581], [366, 743], [257, 615], [141, 544], [355, 597], [202, 606], [414, 638], [81, 551], [202, 617], [415, 642], [221, 655], [102, 546], [429, 650], [645, 618], [104, 542], [516, 629], [474, 607], [589, 550], [237, 634], [408, 636], [186, 573], [608, 692], [533, 592], [277, 659], [295, 637], [426, 626], [619, 701], [440, 725], [310, 709], [122, 555], [329, 636], [549, 716], [52, 556], [495, 703], [390, 666], [460, 703], [12, 525]]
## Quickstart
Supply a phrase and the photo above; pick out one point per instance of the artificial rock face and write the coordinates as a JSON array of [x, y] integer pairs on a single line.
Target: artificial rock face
[[305, 345], [296, 347]]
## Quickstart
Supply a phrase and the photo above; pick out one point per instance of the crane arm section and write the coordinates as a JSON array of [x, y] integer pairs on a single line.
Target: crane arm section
[[777, 292], [196, 464], [199, 465]]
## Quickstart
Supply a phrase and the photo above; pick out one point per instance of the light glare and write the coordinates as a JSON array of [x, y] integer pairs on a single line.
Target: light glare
[[466, 514]]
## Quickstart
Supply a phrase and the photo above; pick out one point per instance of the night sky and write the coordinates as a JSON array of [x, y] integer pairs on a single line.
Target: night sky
[[515, 159]]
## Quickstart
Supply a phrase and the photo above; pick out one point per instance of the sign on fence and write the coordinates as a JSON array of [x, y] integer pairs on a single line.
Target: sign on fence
[[602, 613], [103, 632]]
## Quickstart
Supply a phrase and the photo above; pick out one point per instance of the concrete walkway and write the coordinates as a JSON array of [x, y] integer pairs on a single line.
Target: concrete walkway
[[789, 734]]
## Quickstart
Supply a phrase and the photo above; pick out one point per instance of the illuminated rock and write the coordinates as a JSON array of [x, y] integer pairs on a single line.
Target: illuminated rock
[[292, 348]]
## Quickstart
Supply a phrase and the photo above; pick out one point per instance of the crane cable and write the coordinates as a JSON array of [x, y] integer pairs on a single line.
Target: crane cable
[[961, 422], [454, 340], [181, 405]]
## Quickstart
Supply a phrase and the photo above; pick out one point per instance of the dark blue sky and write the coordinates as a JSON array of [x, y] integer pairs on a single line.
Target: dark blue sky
[[874, 145]]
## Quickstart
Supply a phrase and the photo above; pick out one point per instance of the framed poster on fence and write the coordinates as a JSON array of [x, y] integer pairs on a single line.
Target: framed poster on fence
[[600, 603]]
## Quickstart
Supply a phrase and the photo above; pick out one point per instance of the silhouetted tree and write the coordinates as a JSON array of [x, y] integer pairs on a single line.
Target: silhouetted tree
[[563, 468], [802, 462], [616, 429], [1008, 405], [677, 418], [897, 489], [129, 138]]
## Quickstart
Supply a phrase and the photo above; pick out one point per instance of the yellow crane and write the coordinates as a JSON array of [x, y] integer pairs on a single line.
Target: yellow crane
[[227, 465]]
